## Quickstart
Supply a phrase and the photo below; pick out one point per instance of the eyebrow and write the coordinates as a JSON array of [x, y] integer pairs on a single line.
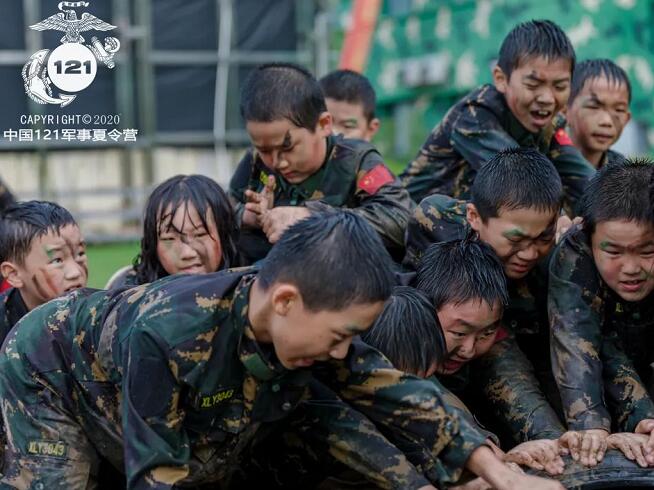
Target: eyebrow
[[513, 233], [478, 327], [287, 141], [350, 119], [533, 77], [608, 244]]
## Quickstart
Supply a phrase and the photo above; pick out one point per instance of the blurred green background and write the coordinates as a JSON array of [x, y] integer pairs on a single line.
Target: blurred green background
[[104, 260]]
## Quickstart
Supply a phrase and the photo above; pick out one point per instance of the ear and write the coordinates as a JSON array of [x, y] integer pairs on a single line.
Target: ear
[[284, 297], [627, 118], [324, 126], [373, 127], [10, 272], [472, 215], [500, 80]]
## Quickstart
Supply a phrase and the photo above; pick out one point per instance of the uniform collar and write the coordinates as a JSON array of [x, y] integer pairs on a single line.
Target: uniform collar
[[258, 359], [15, 306]]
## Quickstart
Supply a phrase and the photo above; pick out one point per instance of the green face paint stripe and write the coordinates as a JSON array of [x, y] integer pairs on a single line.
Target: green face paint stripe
[[604, 245], [513, 233]]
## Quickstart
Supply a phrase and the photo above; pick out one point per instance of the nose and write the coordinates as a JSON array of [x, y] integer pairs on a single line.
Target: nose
[[631, 266], [529, 253], [72, 270], [187, 251], [604, 119], [467, 348], [339, 351], [546, 97]]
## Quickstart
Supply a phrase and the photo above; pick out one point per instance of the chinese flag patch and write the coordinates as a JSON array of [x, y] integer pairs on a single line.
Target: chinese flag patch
[[562, 137], [375, 178]]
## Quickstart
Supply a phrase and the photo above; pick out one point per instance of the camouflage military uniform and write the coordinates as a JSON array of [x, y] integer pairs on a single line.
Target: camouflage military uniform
[[12, 309], [602, 346], [611, 157], [126, 277], [473, 130], [505, 373], [353, 176], [89, 369]]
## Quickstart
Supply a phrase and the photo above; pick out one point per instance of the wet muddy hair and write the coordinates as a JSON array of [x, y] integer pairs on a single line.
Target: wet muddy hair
[[458, 271], [204, 194], [594, 69], [408, 332], [531, 40], [620, 191], [277, 91], [22, 222], [335, 259], [516, 178], [351, 87]]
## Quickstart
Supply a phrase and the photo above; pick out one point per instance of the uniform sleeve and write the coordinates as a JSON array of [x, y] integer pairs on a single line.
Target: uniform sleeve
[[625, 391], [428, 225], [409, 411], [380, 199], [574, 308], [156, 448], [507, 380], [353, 440], [478, 135], [239, 184], [574, 169]]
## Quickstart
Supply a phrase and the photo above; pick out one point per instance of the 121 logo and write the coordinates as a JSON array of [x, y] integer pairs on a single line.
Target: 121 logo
[[71, 67]]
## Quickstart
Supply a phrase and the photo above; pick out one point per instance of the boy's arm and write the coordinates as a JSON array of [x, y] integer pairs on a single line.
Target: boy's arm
[[156, 447], [354, 440], [409, 411], [575, 337], [427, 225], [507, 379], [625, 391], [380, 199]]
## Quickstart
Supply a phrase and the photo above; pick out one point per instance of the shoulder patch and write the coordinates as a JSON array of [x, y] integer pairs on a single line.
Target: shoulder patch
[[375, 179], [562, 137]]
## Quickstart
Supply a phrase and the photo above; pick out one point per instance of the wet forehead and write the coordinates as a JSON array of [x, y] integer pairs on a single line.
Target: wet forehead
[[540, 68], [605, 91]]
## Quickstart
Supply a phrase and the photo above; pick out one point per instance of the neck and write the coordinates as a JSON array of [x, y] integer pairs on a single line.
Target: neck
[[29, 302], [259, 310], [594, 157]]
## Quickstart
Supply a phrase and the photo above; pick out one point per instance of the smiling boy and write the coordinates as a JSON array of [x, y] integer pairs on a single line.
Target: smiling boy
[[531, 84], [298, 166], [516, 200], [42, 256], [602, 314], [598, 109]]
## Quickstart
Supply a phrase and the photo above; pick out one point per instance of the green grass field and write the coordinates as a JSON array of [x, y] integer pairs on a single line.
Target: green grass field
[[104, 260]]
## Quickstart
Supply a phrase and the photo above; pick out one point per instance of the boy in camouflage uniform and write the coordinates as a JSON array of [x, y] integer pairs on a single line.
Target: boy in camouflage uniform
[[351, 100], [298, 166], [514, 208], [598, 109], [42, 255], [601, 311], [467, 282], [173, 381], [531, 84]]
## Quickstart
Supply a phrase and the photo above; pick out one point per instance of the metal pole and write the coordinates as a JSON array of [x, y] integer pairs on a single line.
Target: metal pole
[[225, 19]]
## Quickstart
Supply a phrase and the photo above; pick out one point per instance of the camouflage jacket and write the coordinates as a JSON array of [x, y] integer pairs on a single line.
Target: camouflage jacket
[[504, 374], [215, 385], [610, 157], [13, 308], [353, 176], [473, 130], [602, 346]]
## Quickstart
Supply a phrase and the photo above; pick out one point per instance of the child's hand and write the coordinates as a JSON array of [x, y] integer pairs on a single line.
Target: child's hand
[[586, 446], [542, 454], [564, 224], [259, 203], [646, 426], [632, 446], [278, 219]]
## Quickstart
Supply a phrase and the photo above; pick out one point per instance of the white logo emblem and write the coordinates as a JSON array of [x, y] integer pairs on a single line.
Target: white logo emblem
[[71, 67]]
